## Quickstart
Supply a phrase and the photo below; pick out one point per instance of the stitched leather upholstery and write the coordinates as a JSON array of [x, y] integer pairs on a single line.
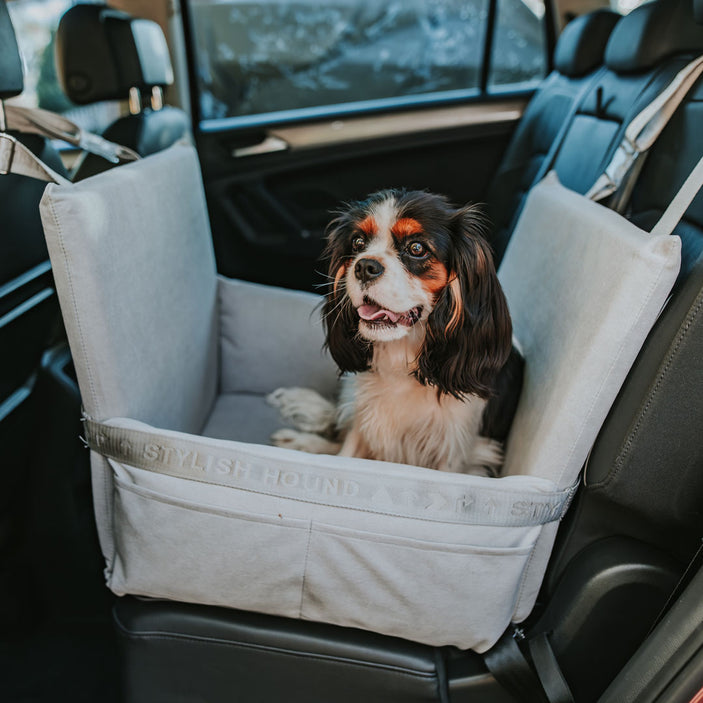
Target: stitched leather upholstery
[[582, 43], [631, 79], [652, 32], [579, 52], [252, 658]]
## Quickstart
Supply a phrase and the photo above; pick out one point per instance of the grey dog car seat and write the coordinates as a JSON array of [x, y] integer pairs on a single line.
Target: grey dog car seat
[[63, 209], [164, 349]]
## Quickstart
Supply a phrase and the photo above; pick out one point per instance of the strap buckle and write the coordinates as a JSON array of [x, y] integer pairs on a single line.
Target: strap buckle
[[7, 153], [623, 160]]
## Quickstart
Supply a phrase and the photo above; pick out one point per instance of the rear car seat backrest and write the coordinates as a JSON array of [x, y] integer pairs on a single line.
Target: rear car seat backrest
[[28, 310], [102, 54], [579, 52], [643, 53], [643, 477]]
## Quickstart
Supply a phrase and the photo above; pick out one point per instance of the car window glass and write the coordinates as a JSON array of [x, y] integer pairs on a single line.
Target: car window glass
[[277, 56], [519, 55]]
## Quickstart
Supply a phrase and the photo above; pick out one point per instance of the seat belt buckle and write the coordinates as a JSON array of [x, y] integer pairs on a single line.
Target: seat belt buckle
[[623, 160]]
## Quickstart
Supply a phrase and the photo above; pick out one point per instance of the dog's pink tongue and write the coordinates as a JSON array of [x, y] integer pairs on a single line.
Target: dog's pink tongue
[[376, 312]]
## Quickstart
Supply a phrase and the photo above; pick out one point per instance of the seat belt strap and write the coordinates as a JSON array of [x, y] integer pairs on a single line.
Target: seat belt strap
[[643, 131], [53, 126], [540, 680], [548, 670], [16, 158], [680, 202], [556, 145], [512, 671]]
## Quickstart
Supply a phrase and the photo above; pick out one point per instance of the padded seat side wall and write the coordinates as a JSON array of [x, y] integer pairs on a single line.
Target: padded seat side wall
[[643, 477]]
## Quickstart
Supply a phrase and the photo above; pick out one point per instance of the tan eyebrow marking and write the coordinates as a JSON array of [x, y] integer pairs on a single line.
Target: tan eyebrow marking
[[406, 226], [368, 226], [340, 272], [435, 278]]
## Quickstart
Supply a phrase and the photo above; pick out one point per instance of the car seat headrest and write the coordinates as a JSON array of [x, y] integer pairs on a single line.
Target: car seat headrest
[[11, 78], [101, 53], [651, 33], [582, 43], [698, 10]]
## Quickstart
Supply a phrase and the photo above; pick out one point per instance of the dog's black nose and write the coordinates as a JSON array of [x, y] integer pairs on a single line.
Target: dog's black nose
[[368, 269]]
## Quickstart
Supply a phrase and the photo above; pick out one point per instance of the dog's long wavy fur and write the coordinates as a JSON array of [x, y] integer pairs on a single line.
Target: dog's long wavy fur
[[413, 391]]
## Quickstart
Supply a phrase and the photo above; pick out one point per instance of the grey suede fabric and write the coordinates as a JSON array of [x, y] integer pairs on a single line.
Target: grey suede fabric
[[430, 556], [272, 338], [135, 274], [584, 287], [244, 417], [444, 559], [132, 258]]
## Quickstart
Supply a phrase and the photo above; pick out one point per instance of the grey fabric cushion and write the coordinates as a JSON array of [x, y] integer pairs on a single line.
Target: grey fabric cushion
[[272, 337], [244, 417], [584, 287], [135, 274]]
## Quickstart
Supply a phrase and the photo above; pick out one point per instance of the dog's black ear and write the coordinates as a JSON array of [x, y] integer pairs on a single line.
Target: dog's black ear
[[341, 321], [469, 331]]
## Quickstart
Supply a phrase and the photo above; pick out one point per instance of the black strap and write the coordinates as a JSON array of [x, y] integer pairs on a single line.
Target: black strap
[[576, 104], [548, 671], [538, 681], [512, 671]]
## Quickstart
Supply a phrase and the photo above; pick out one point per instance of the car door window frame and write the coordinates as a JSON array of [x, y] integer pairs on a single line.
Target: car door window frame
[[482, 93]]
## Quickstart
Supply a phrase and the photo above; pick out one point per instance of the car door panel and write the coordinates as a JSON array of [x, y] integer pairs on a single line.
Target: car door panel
[[271, 193]]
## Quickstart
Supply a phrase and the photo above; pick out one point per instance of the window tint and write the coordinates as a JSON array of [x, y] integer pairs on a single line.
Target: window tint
[[35, 23], [271, 56], [519, 54]]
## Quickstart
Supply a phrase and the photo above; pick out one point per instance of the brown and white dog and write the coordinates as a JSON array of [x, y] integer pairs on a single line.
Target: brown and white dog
[[418, 324]]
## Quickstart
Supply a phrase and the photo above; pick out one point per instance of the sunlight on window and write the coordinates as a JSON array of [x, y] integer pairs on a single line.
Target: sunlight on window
[[625, 6], [35, 23]]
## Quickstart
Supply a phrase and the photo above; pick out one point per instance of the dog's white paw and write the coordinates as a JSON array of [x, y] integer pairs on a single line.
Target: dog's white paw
[[305, 409], [303, 441]]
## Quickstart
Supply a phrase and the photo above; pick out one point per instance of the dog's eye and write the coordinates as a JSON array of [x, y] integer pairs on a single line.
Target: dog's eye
[[418, 250], [358, 243]]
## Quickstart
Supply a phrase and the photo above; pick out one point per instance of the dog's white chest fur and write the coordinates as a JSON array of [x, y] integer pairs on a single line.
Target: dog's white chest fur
[[387, 414]]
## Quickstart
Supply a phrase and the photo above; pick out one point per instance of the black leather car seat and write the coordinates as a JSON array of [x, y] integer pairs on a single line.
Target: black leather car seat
[[28, 313], [104, 54], [578, 55], [643, 53]]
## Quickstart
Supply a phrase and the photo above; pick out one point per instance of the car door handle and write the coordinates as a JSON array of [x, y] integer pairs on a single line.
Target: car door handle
[[269, 145]]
